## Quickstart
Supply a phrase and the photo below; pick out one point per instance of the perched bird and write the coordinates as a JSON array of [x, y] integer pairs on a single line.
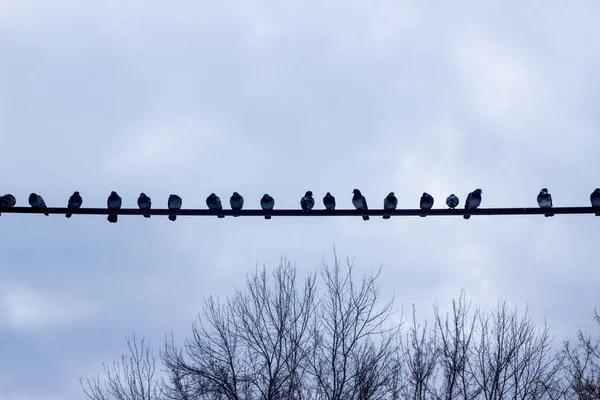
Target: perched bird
[[75, 201], [236, 201], [144, 203], [267, 203], [544, 200], [8, 200], [359, 201], [426, 202], [473, 201], [174, 203], [114, 201], [36, 201], [214, 203], [595, 199], [307, 202], [329, 202], [390, 203], [452, 201]]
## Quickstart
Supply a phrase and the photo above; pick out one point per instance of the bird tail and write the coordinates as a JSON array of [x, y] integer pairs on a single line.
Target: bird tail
[[112, 218], [386, 216], [172, 217], [146, 216], [597, 214], [548, 215], [365, 217], [222, 216], [423, 215], [68, 215], [46, 214], [466, 216], [267, 217]]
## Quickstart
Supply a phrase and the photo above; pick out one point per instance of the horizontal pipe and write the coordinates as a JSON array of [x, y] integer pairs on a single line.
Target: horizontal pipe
[[299, 213]]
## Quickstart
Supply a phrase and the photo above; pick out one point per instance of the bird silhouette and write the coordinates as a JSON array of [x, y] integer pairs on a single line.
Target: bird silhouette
[[144, 203], [267, 203], [360, 202], [213, 202], [75, 201], [114, 202], [473, 201], [452, 201], [544, 200], [236, 202], [390, 203], [426, 202], [174, 203], [595, 200], [307, 202], [36, 201], [329, 202]]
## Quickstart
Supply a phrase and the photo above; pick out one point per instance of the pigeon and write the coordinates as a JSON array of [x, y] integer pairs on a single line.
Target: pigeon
[[595, 199], [174, 203], [452, 201], [144, 203], [544, 200], [8, 200], [307, 202], [36, 201], [75, 201], [426, 202], [329, 202], [390, 203], [359, 201], [236, 201], [114, 201], [473, 201], [214, 203], [267, 203]]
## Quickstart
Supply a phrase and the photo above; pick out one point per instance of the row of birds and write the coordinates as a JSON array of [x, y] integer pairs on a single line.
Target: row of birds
[[267, 203]]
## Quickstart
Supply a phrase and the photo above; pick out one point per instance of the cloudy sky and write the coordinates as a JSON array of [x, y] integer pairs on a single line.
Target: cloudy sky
[[192, 97]]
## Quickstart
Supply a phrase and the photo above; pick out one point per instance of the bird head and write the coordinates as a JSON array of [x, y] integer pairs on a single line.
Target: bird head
[[309, 193], [236, 194], [142, 195], [327, 194], [356, 191], [544, 191], [391, 194], [76, 194], [266, 197], [478, 191], [597, 190], [113, 193]]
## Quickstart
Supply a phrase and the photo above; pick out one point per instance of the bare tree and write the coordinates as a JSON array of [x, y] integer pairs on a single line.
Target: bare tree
[[130, 378], [582, 365], [352, 343]]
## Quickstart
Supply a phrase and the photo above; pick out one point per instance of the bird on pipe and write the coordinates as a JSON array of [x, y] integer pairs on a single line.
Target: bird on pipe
[[452, 201], [36, 201], [473, 201], [113, 202], [360, 203], [174, 203], [75, 201], [267, 203], [390, 203], [595, 200], [236, 202], [426, 202], [8, 200], [144, 203], [213, 202], [329, 202], [544, 200], [307, 202]]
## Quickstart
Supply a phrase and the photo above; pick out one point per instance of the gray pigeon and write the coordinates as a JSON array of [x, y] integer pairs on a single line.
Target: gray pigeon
[[426, 202], [144, 203], [473, 201], [114, 201], [267, 203], [36, 201], [329, 202], [174, 203], [75, 201], [544, 200], [213, 202], [236, 201], [307, 202], [360, 203], [595, 199], [8, 200], [452, 201], [390, 203]]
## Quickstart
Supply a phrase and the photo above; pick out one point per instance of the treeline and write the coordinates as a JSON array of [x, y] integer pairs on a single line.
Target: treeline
[[330, 336]]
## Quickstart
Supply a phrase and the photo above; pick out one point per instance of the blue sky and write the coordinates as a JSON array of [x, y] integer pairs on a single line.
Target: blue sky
[[194, 97]]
